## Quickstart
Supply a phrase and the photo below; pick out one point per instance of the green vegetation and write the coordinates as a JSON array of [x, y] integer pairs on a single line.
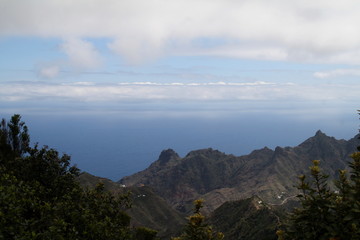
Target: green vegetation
[[197, 229], [325, 214], [152, 211], [40, 197], [249, 219], [147, 208]]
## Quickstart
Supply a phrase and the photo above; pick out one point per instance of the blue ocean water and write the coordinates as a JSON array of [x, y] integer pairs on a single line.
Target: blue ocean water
[[114, 146]]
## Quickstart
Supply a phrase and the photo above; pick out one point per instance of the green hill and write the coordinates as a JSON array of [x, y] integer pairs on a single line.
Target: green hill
[[148, 209], [249, 219]]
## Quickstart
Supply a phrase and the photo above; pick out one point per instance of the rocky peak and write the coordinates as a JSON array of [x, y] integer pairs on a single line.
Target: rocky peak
[[319, 133], [322, 146], [262, 152], [166, 156], [319, 137], [208, 152], [279, 150]]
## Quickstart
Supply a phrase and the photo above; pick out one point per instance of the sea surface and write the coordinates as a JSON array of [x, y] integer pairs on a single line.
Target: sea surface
[[114, 146]]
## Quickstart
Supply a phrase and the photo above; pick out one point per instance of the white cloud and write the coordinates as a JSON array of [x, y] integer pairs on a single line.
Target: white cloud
[[83, 83], [258, 83], [308, 31], [81, 54], [150, 91], [337, 73]]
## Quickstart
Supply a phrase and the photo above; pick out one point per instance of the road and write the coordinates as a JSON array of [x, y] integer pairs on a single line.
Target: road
[[283, 202]]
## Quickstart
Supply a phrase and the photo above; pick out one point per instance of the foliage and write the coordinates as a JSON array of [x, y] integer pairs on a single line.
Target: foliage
[[143, 233], [41, 199], [197, 229], [327, 214], [248, 219], [14, 137]]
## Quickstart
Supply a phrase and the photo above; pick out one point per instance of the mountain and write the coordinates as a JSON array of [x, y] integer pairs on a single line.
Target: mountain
[[218, 177], [250, 219], [88, 180], [148, 209]]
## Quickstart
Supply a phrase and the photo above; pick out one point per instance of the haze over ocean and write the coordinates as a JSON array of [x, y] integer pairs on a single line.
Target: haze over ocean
[[114, 145]]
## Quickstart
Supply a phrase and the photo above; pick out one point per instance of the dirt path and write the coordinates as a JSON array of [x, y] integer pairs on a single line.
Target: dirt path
[[283, 202]]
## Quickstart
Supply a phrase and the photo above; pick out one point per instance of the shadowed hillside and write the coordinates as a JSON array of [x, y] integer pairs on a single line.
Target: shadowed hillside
[[148, 209], [249, 219], [218, 177]]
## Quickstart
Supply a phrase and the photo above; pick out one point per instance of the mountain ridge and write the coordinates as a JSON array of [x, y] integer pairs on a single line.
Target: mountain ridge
[[218, 177]]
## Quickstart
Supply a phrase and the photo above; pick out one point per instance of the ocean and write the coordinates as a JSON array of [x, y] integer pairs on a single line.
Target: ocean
[[113, 145]]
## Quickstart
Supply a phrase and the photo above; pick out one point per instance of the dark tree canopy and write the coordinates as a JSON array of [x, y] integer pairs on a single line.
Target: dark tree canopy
[[40, 197], [14, 135], [196, 228], [326, 214]]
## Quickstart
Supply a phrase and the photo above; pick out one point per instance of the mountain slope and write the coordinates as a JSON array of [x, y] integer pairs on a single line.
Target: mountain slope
[[218, 177], [148, 209], [249, 219]]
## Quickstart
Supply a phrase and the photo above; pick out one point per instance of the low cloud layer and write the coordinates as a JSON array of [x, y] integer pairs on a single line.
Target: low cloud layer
[[180, 92], [337, 73], [322, 31]]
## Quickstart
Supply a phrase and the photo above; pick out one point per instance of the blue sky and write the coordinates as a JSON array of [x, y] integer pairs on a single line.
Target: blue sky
[[202, 59]]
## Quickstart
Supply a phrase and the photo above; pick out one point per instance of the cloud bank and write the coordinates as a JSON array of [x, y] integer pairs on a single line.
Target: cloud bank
[[170, 92], [337, 73], [322, 31]]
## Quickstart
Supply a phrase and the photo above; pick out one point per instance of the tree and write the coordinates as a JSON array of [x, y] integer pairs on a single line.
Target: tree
[[324, 213], [144, 233], [14, 141], [197, 229], [40, 197], [14, 135]]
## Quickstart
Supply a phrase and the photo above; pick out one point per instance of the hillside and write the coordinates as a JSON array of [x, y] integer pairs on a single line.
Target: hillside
[[250, 219], [218, 177], [148, 209]]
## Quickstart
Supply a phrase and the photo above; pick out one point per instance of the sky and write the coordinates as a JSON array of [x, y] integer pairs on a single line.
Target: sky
[[215, 63]]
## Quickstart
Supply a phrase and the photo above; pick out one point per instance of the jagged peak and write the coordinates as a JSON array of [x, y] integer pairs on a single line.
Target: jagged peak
[[320, 139], [262, 150], [320, 136], [205, 151], [279, 149], [319, 133], [167, 155]]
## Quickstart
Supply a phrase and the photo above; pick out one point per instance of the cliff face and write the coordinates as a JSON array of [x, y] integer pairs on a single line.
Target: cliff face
[[218, 177]]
